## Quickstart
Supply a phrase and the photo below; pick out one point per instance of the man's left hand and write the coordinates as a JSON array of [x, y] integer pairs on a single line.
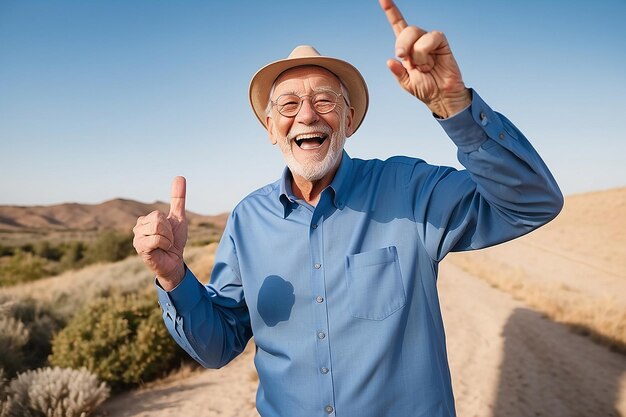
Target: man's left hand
[[428, 69]]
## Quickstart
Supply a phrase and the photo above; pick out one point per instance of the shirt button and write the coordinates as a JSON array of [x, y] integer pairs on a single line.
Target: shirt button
[[317, 266], [483, 118], [321, 335], [329, 409], [313, 226], [324, 370], [501, 135], [319, 299]]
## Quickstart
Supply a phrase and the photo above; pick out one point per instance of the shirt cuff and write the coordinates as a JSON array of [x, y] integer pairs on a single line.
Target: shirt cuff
[[183, 298], [472, 126]]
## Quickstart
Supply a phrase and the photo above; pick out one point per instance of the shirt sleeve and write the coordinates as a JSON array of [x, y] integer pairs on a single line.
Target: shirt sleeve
[[505, 191], [210, 322]]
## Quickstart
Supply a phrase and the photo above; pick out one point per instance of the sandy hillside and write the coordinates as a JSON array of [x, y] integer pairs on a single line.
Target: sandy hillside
[[506, 358], [583, 250], [119, 214]]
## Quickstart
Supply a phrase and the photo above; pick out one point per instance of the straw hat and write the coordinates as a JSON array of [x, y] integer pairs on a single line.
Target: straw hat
[[351, 78]]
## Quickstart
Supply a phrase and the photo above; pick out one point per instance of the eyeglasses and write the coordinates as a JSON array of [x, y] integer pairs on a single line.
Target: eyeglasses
[[322, 102]]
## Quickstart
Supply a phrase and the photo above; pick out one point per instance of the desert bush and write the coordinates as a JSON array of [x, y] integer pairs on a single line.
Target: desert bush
[[53, 392], [23, 266], [27, 247], [26, 331], [4, 406], [6, 250], [73, 254], [110, 246], [42, 323], [13, 337], [32, 261], [46, 250], [121, 339], [36, 260]]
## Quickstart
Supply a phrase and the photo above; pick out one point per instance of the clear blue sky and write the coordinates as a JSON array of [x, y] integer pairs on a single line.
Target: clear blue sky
[[106, 99]]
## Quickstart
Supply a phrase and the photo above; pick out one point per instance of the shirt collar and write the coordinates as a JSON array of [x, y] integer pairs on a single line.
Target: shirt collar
[[285, 195], [340, 186], [342, 180]]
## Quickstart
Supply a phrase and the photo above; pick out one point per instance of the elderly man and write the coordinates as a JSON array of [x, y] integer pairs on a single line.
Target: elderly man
[[333, 267]]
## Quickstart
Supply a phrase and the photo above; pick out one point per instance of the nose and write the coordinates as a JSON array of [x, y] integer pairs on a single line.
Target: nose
[[307, 114]]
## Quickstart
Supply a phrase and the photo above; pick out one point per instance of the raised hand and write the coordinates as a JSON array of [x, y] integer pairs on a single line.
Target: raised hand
[[428, 69], [160, 240]]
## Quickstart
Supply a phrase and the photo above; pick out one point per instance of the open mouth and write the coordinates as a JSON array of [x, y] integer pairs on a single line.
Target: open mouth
[[311, 141]]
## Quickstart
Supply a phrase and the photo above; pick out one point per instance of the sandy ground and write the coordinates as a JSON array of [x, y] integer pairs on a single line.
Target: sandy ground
[[506, 360], [229, 391]]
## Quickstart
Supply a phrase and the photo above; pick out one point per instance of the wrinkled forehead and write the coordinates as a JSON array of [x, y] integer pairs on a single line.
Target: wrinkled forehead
[[303, 79]]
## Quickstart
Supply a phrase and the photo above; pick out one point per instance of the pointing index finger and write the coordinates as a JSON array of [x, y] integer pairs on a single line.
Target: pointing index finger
[[177, 204], [395, 18]]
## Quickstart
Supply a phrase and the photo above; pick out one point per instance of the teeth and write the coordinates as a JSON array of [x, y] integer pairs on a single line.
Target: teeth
[[309, 136]]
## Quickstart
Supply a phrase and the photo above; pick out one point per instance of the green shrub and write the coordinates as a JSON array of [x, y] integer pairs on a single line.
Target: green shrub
[[26, 331], [121, 339], [23, 266], [110, 246], [53, 392], [46, 250], [6, 250], [28, 248], [32, 261], [73, 254]]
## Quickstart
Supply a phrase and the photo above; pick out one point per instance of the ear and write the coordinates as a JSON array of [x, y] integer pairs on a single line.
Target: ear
[[269, 122], [349, 120]]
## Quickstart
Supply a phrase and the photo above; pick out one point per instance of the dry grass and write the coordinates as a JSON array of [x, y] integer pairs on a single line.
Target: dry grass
[[602, 318], [70, 290]]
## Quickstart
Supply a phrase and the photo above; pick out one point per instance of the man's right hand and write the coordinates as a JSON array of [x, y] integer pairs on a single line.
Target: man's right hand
[[160, 240]]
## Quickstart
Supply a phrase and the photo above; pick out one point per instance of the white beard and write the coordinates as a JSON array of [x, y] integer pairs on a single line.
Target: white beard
[[313, 170]]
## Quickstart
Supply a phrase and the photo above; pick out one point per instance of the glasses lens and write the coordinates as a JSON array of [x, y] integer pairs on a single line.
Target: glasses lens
[[324, 101], [288, 104]]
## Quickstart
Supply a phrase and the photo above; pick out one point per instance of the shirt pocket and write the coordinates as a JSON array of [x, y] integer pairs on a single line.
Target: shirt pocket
[[375, 288]]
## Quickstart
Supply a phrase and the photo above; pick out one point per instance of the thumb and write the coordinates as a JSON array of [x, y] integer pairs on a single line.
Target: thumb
[[177, 202], [399, 72]]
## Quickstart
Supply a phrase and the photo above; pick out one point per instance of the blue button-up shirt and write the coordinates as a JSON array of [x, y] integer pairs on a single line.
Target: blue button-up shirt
[[341, 298]]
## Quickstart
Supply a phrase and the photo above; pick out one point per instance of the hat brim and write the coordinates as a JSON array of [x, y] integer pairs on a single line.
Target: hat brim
[[262, 82]]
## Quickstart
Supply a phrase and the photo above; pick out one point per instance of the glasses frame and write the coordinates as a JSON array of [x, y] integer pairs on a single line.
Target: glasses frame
[[279, 107]]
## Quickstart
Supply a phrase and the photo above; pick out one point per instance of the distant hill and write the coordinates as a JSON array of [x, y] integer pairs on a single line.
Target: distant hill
[[118, 214]]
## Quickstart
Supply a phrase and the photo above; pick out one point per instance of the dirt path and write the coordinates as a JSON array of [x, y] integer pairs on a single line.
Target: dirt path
[[506, 360], [226, 392]]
